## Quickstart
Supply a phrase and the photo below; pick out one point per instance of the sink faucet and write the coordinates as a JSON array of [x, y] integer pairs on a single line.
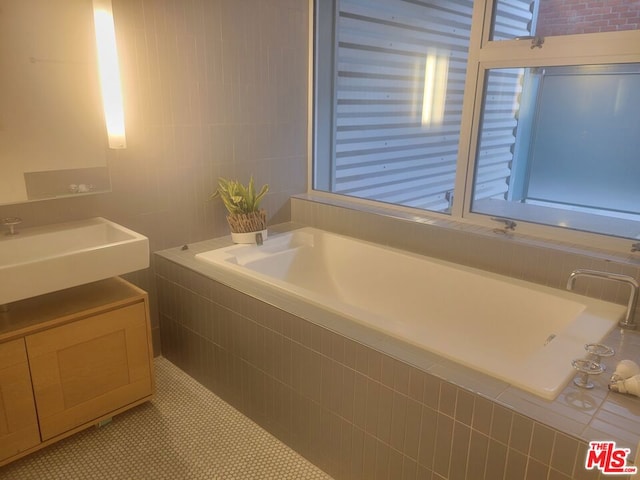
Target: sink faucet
[[628, 321], [11, 222]]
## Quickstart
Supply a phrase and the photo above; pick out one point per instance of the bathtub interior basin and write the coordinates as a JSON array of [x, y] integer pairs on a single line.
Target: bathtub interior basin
[[44, 259], [519, 332]]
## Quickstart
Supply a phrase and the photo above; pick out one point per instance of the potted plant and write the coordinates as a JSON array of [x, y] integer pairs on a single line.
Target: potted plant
[[246, 219]]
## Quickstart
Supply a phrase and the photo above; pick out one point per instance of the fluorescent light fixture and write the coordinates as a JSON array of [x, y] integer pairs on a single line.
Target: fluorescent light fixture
[[109, 73], [436, 73]]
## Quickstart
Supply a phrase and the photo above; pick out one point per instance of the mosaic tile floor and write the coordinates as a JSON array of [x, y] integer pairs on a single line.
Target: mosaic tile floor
[[186, 432]]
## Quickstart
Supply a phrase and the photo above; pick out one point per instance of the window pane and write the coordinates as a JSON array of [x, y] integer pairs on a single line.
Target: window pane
[[559, 146], [399, 70], [518, 18]]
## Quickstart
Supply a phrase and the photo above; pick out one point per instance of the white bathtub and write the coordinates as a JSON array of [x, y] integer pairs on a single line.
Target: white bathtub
[[516, 331]]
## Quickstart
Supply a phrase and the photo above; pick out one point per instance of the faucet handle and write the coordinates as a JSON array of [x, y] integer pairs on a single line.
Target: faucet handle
[[598, 351], [585, 368], [11, 222]]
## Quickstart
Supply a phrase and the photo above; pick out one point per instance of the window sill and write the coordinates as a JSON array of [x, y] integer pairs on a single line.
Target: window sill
[[569, 220]]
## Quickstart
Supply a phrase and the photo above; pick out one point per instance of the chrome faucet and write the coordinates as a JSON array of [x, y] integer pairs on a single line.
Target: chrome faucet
[[11, 222], [628, 321]]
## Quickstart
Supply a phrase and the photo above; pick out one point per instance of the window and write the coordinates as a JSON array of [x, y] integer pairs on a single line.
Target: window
[[399, 72], [528, 110], [572, 157]]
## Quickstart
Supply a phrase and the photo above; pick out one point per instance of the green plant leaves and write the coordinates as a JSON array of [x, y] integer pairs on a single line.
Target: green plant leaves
[[237, 198]]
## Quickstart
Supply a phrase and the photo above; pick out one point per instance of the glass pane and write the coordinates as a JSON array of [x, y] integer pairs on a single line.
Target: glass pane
[[559, 146], [399, 70], [521, 18]]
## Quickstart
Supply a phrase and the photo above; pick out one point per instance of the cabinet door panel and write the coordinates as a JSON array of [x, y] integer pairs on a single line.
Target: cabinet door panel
[[86, 369], [18, 421]]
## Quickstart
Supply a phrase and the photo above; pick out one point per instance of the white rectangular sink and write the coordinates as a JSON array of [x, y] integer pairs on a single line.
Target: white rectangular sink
[[45, 259]]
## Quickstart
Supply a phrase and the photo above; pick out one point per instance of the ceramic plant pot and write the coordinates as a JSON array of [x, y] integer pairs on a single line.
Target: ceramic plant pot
[[246, 226], [248, 237]]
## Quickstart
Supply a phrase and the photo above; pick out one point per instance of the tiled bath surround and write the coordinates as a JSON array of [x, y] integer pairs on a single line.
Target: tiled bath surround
[[357, 412]]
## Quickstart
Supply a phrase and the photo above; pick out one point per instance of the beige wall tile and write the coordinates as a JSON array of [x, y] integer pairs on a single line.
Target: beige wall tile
[[211, 88]]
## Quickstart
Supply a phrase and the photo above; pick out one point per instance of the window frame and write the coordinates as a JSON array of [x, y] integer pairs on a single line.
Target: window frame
[[485, 54]]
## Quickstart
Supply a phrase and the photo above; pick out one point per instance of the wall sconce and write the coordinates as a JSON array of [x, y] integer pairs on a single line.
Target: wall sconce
[[436, 73], [109, 73]]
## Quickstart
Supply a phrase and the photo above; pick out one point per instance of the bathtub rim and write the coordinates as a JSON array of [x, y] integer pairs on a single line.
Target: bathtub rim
[[602, 316]]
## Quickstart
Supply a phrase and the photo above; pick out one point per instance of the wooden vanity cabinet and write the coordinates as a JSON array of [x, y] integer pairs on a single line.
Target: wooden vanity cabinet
[[18, 421], [75, 357]]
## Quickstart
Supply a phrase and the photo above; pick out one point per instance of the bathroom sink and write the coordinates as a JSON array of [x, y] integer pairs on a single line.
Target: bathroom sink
[[45, 259]]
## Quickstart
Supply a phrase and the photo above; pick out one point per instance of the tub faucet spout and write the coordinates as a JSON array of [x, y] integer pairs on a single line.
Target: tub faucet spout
[[11, 223], [628, 321]]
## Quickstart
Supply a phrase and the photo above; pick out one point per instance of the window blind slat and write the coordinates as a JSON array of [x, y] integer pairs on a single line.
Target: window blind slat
[[367, 156], [360, 144], [412, 14], [359, 181]]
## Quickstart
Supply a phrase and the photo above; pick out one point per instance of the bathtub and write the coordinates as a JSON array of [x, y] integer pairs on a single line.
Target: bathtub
[[519, 332]]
